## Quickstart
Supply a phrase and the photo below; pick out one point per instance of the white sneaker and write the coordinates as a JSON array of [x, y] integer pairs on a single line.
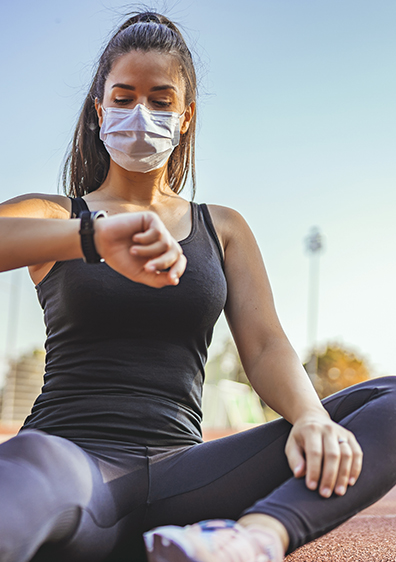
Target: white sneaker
[[218, 540]]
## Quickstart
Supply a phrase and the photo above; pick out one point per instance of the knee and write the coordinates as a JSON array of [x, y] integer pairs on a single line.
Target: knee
[[384, 388], [387, 383], [381, 385], [32, 446], [42, 450], [54, 458], [383, 398], [26, 445]]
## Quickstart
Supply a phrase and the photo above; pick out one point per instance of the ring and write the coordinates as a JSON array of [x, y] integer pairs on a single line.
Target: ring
[[341, 440]]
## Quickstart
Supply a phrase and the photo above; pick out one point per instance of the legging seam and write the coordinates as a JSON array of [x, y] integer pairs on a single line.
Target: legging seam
[[368, 399], [148, 503]]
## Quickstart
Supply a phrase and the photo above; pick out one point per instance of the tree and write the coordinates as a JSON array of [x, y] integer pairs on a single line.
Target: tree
[[338, 367]]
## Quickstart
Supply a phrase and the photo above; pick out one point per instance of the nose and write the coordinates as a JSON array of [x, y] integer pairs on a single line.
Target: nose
[[142, 101]]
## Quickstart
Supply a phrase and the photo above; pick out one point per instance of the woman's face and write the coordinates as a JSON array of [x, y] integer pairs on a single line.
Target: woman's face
[[150, 78]]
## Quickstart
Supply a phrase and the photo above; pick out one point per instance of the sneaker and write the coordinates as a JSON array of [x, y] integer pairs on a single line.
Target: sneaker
[[213, 541]]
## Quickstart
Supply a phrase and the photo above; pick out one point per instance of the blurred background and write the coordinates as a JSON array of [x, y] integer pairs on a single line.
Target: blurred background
[[297, 125]]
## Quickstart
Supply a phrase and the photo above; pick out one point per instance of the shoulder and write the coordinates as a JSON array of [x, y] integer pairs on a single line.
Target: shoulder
[[229, 224], [37, 205]]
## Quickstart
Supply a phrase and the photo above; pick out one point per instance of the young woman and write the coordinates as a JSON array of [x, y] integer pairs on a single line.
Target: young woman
[[113, 448]]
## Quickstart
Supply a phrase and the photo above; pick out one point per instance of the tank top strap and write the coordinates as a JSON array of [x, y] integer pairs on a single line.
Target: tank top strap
[[78, 205], [211, 230]]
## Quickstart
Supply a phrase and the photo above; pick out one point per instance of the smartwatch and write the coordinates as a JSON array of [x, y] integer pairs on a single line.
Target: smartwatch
[[87, 229]]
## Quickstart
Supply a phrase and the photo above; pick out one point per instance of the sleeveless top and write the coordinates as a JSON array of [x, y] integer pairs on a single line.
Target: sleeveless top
[[124, 361]]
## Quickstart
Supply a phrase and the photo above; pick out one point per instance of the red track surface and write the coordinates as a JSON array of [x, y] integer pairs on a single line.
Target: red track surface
[[370, 536]]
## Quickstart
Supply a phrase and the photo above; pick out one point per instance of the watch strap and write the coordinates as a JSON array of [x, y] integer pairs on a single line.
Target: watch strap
[[87, 229]]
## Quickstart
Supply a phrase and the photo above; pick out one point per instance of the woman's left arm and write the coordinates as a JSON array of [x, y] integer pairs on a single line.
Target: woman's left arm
[[313, 449]]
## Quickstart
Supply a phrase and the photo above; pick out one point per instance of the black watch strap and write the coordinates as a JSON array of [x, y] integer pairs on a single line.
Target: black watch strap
[[87, 229]]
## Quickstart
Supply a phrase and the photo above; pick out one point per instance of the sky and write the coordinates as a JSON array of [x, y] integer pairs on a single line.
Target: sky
[[297, 123]]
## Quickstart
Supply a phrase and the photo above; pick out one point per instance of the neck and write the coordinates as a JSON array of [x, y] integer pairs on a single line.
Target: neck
[[144, 190]]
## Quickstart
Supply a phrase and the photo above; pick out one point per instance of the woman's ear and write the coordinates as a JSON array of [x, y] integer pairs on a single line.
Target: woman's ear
[[99, 111], [188, 115]]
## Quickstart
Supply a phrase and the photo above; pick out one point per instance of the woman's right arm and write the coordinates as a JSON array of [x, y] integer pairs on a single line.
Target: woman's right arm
[[30, 233], [136, 245]]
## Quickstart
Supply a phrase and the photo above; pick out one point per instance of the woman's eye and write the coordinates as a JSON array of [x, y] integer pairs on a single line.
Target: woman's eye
[[159, 103], [122, 101]]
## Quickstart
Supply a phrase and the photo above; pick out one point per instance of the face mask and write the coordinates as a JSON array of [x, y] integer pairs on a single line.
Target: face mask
[[139, 139]]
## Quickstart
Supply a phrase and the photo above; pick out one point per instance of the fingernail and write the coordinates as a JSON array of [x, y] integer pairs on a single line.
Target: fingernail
[[175, 280], [325, 492], [312, 485], [298, 469], [150, 267], [340, 490], [352, 481]]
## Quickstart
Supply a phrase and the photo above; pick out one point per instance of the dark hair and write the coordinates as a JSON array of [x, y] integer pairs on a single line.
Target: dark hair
[[87, 162]]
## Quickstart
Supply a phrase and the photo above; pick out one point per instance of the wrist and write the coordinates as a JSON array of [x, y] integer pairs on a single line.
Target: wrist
[[100, 237], [87, 230], [313, 414]]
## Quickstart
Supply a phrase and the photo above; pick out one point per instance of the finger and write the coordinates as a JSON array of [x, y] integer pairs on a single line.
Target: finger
[[357, 460], [152, 250], [160, 279], [177, 270], [344, 469], [172, 276], [148, 237], [331, 464], [157, 279], [313, 458], [164, 261], [295, 458]]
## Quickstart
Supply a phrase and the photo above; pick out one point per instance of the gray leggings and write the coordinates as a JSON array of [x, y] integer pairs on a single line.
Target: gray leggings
[[91, 501]]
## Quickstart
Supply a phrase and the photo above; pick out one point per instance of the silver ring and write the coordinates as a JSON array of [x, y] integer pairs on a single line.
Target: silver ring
[[341, 440]]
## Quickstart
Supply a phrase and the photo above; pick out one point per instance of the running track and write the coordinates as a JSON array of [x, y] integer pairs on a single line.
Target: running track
[[370, 536]]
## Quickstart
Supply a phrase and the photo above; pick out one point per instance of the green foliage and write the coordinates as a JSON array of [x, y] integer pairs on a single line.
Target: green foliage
[[337, 367]]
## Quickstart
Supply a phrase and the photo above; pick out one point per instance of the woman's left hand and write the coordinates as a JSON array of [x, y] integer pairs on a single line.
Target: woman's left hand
[[139, 246], [325, 453], [313, 449]]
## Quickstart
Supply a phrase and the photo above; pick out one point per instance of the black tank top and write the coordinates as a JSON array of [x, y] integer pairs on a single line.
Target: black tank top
[[125, 362]]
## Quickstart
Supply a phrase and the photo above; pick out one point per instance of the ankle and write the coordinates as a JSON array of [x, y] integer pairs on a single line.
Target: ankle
[[260, 522]]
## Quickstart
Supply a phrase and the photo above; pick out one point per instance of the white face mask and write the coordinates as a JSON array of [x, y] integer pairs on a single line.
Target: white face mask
[[139, 139]]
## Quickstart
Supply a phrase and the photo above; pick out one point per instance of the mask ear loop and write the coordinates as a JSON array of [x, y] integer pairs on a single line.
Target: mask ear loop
[[180, 126]]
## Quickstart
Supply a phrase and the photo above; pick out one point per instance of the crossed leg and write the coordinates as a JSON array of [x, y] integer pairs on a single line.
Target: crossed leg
[[248, 472], [59, 501]]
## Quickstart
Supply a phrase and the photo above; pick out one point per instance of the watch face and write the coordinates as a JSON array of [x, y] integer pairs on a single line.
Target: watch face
[[99, 215]]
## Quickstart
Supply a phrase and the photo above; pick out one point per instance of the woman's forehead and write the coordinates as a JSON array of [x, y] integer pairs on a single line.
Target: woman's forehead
[[147, 67]]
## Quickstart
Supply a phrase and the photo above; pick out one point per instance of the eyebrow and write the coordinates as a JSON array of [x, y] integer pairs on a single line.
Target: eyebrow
[[165, 87], [123, 86], [153, 89]]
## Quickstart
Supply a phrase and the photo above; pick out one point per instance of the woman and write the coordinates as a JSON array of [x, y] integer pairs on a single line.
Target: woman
[[113, 448]]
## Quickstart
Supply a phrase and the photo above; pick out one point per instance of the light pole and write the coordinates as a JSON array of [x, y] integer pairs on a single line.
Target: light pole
[[314, 246]]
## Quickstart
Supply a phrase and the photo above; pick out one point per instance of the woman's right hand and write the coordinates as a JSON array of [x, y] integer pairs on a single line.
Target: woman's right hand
[[139, 246]]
